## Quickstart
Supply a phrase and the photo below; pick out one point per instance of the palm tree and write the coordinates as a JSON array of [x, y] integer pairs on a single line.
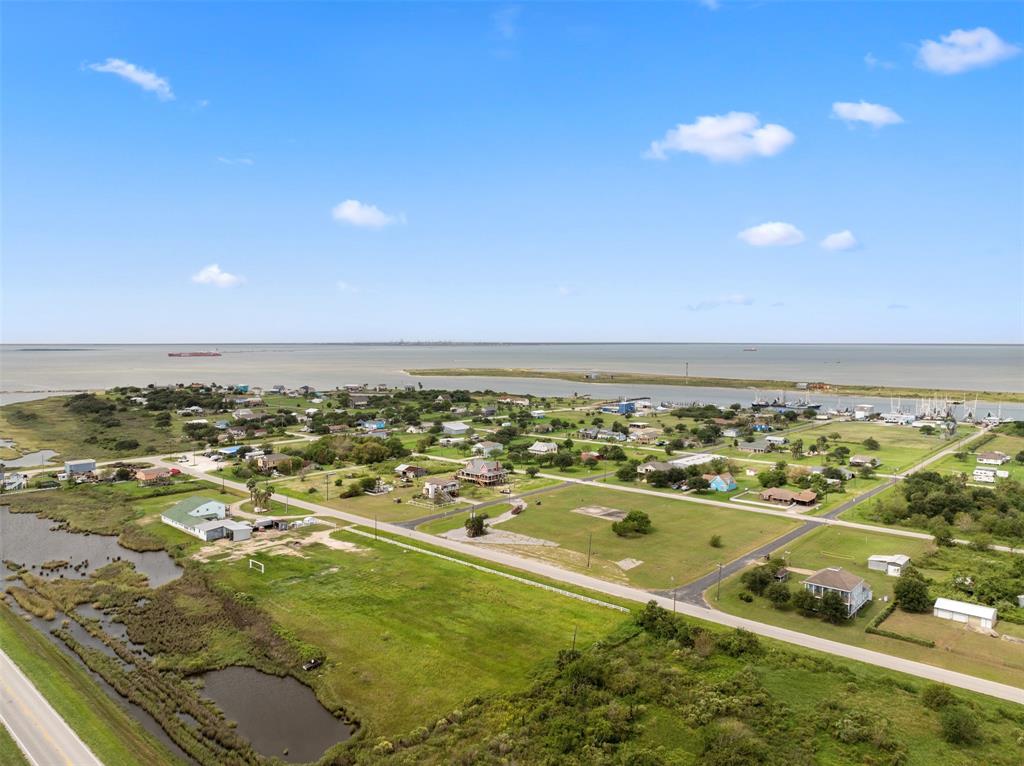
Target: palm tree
[[268, 493], [251, 485]]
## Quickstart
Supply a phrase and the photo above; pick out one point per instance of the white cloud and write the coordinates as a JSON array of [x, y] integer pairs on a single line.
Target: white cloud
[[711, 5], [345, 287], [506, 21], [563, 290], [737, 299], [236, 161], [840, 240], [873, 62], [145, 79], [772, 234], [875, 115], [212, 275], [728, 137], [356, 213], [964, 49]]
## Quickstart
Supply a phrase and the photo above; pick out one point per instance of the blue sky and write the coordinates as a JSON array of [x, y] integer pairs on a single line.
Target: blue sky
[[549, 172]]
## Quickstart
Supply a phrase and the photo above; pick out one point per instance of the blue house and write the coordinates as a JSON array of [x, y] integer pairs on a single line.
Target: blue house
[[723, 482], [761, 427]]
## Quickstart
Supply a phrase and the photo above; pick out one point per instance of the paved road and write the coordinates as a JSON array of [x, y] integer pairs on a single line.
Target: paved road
[[505, 558], [39, 731]]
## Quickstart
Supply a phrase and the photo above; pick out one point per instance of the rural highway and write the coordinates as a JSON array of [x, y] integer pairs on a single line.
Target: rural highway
[[36, 727], [557, 574]]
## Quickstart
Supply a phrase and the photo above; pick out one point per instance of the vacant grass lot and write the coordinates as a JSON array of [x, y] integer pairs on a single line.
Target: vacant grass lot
[[678, 547], [409, 637], [1010, 445], [48, 424], [901, 447], [115, 738], [991, 658]]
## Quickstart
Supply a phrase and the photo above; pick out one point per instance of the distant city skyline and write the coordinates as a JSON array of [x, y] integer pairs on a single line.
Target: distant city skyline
[[698, 172]]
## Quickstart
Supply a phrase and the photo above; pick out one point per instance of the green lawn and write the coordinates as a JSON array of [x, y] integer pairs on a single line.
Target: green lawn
[[901, 447], [1010, 445], [847, 548], [115, 738], [678, 547], [409, 637]]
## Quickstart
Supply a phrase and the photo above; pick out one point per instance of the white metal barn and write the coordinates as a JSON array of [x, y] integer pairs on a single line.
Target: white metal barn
[[961, 611], [891, 565]]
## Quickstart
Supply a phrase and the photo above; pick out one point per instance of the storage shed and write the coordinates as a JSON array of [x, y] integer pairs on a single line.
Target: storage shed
[[961, 611]]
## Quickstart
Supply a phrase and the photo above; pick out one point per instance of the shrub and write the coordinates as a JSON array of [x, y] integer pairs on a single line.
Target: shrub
[[911, 592], [959, 725], [778, 593], [937, 696], [715, 541], [635, 523], [739, 642]]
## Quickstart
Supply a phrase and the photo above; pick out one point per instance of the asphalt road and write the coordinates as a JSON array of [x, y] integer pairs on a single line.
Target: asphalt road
[[38, 730]]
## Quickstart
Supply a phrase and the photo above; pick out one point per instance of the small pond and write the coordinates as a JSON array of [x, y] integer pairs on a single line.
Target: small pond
[[275, 714], [27, 539], [37, 459]]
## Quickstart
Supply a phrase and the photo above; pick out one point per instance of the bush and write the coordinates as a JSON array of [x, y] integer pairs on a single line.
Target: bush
[[778, 593], [959, 725], [911, 592], [636, 523], [937, 696], [715, 541]]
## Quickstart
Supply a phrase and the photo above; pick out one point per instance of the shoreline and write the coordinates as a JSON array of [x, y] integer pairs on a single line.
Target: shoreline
[[658, 379]]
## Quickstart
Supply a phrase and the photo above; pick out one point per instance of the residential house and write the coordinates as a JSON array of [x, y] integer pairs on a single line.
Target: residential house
[[730, 433], [542, 448], [721, 482], [585, 456], [486, 473], [440, 487], [518, 401], [653, 466], [273, 461], [205, 518], [488, 448], [588, 433], [846, 473], [892, 565], [789, 497], [450, 441], [410, 472], [489, 411], [776, 441], [455, 428], [854, 591], [985, 475], [757, 446], [864, 460], [244, 414], [610, 435], [148, 477], [14, 481], [645, 435], [697, 459], [358, 400], [960, 611], [993, 458]]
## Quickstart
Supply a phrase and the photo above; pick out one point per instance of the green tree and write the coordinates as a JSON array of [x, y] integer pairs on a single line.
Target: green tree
[[778, 593], [532, 471], [911, 592], [475, 526], [715, 541], [626, 472], [805, 602], [959, 725], [871, 443], [832, 607]]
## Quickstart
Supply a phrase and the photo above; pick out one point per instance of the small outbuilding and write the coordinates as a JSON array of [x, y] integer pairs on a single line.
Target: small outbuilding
[[960, 611], [455, 428], [891, 565]]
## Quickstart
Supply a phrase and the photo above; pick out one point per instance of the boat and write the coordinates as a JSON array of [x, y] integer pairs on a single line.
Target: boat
[[193, 353], [750, 348]]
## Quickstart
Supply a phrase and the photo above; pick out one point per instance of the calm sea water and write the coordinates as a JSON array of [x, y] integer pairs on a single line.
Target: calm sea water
[[72, 367]]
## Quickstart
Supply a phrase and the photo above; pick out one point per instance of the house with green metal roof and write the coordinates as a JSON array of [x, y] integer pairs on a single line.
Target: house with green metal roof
[[205, 518]]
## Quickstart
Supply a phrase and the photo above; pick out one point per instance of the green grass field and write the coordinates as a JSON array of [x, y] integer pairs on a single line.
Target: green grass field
[[836, 547], [901, 447], [678, 547], [115, 738], [1010, 445], [409, 637]]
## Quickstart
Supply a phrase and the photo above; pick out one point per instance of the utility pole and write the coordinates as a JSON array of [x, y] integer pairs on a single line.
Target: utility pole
[[574, 629], [590, 543], [673, 578], [718, 593]]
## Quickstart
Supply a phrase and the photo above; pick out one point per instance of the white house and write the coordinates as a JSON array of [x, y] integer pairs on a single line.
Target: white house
[[15, 481], [699, 458], [960, 611], [853, 590], [730, 433], [455, 428], [987, 475], [778, 441], [891, 565], [993, 458], [206, 519], [488, 448], [543, 448]]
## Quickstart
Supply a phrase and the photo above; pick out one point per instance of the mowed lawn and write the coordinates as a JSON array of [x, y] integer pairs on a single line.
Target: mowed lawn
[[410, 637], [900, 447], [956, 649], [679, 546], [1009, 445]]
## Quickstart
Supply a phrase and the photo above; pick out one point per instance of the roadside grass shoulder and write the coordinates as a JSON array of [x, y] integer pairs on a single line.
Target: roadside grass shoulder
[[115, 738], [10, 753]]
